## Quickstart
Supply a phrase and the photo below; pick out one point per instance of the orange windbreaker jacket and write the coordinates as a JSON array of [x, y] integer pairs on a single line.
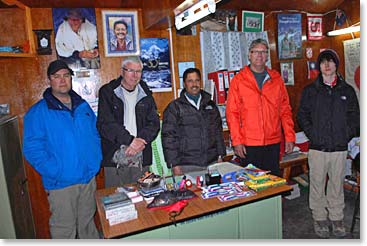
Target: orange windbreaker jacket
[[255, 117]]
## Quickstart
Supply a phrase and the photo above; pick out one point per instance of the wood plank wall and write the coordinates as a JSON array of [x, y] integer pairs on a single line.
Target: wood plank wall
[[23, 80]]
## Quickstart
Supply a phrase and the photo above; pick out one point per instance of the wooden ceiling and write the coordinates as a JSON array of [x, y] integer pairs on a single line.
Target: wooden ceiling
[[158, 14], [312, 6]]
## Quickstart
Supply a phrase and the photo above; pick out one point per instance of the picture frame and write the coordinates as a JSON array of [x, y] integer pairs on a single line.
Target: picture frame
[[252, 21], [43, 41], [125, 24], [66, 43], [287, 73]]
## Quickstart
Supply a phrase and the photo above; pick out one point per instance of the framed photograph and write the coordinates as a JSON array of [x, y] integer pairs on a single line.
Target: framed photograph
[[120, 33], [286, 69], [252, 21], [66, 22]]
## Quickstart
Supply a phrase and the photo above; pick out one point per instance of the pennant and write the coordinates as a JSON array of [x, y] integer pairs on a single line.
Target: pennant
[[314, 26]]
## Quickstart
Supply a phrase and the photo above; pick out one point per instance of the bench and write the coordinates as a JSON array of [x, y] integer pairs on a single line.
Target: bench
[[287, 163]]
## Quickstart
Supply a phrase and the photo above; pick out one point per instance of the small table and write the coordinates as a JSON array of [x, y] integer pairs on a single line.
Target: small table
[[286, 165]]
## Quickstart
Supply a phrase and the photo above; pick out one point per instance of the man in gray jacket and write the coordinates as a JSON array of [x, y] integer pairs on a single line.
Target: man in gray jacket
[[192, 133], [128, 123]]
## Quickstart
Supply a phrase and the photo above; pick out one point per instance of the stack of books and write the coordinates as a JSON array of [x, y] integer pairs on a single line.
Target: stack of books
[[261, 179], [119, 208]]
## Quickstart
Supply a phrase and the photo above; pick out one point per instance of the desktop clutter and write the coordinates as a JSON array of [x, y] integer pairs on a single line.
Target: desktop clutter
[[224, 181]]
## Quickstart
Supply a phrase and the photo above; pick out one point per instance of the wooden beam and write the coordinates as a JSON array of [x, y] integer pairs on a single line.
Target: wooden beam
[[14, 2]]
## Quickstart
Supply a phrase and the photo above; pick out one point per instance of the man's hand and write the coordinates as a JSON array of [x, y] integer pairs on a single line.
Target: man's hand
[[88, 54], [130, 151], [137, 145], [289, 147], [240, 150]]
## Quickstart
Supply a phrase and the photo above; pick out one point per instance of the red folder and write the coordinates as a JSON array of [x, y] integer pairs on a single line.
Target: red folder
[[218, 79]]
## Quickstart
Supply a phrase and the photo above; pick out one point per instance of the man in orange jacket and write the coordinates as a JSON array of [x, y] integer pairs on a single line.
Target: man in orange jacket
[[257, 110]]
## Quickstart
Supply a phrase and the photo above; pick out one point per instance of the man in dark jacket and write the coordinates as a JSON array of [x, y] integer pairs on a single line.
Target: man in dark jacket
[[128, 122], [329, 116], [192, 133]]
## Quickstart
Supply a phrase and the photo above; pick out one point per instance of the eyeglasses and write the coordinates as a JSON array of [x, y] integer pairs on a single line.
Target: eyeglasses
[[59, 76], [132, 70], [259, 52]]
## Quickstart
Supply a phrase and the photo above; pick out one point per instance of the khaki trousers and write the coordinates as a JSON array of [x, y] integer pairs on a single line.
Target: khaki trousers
[[72, 212], [330, 200]]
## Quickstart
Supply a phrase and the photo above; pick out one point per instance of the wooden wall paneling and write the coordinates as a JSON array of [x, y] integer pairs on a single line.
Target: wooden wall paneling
[[12, 19], [23, 80], [187, 49]]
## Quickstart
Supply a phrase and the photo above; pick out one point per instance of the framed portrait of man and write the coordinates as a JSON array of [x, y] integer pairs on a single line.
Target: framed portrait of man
[[120, 33], [76, 38]]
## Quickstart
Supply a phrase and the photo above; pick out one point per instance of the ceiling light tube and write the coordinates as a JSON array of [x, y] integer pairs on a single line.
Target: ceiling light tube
[[344, 31]]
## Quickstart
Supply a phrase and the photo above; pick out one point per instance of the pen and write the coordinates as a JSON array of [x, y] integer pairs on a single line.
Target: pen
[[173, 177], [182, 184]]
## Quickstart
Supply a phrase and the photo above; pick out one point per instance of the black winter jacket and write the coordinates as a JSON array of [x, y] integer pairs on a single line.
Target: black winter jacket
[[110, 121], [191, 136], [329, 116]]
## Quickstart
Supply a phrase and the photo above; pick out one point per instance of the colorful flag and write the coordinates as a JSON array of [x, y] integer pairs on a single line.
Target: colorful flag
[[313, 72]]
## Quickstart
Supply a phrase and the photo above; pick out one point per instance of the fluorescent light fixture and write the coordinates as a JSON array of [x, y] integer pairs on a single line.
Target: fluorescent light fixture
[[194, 13], [350, 29]]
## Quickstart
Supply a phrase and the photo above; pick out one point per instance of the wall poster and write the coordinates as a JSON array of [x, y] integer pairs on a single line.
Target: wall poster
[[352, 52], [156, 64], [77, 50], [289, 36]]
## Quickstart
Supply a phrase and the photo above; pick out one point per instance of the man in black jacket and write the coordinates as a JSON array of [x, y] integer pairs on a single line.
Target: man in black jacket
[[127, 122], [329, 116], [192, 133]]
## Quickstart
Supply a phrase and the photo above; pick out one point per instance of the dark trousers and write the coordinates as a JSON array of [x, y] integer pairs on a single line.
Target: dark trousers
[[264, 157]]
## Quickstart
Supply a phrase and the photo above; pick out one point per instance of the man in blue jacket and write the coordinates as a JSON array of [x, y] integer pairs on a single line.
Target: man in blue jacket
[[62, 144]]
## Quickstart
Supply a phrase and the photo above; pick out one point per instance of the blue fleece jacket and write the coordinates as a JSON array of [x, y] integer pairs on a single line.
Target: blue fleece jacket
[[63, 145]]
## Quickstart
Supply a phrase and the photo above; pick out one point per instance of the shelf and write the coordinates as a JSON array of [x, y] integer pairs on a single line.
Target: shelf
[[10, 54], [16, 23]]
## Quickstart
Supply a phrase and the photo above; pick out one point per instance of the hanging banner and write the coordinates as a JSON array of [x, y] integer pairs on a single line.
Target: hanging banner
[[314, 26]]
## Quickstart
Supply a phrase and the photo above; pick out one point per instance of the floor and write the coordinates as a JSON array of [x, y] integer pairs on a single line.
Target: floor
[[297, 219]]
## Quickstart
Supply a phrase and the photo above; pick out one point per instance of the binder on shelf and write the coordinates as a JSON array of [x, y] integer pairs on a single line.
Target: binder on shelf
[[219, 80], [231, 74]]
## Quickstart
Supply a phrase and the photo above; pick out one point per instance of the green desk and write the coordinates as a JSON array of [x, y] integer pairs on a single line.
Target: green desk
[[256, 217]]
